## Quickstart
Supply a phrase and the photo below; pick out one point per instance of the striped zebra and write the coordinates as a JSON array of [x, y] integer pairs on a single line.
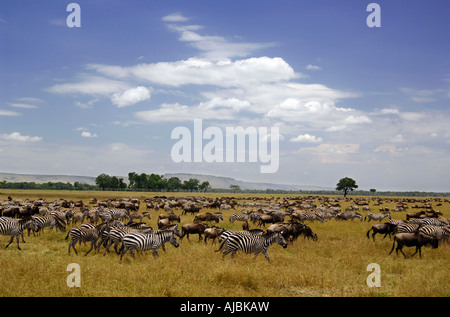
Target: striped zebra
[[302, 215], [15, 228], [349, 215], [432, 222], [151, 241], [377, 217], [224, 236], [407, 228], [49, 221], [239, 217], [252, 243], [85, 234], [438, 232], [116, 235]]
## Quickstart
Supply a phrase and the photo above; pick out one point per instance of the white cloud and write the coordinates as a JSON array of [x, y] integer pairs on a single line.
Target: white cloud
[[174, 17], [91, 85], [17, 137], [9, 113], [197, 71], [307, 138], [215, 47], [313, 67], [130, 96], [87, 134], [23, 106]]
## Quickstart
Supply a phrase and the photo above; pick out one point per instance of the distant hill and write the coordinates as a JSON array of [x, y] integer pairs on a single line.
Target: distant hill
[[225, 182], [214, 181]]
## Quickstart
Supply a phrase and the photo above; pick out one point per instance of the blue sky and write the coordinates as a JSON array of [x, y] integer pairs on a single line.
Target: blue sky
[[349, 100]]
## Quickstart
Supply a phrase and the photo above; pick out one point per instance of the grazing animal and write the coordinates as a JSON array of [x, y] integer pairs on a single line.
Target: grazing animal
[[213, 233], [377, 217], [438, 232], [85, 234], [193, 228], [381, 228], [239, 217], [15, 228], [252, 243], [349, 215], [49, 221], [151, 241], [417, 240]]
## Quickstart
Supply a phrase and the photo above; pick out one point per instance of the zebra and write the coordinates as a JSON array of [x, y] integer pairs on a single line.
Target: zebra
[[252, 243], [432, 222], [407, 228], [49, 221], [151, 241], [239, 217], [15, 229], [440, 233], [377, 217], [116, 235], [85, 233], [302, 215], [349, 215]]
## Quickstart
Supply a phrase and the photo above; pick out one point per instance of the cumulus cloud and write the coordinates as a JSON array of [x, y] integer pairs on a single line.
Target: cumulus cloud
[[197, 71], [307, 138], [17, 137], [87, 134], [130, 96]]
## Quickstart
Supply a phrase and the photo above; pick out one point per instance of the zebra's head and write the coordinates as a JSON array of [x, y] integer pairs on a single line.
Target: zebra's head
[[280, 239], [173, 240]]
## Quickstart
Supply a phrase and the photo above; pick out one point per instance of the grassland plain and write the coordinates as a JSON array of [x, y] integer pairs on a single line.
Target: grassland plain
[[335, 265]]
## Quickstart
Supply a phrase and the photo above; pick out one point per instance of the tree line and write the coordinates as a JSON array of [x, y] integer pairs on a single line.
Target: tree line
[[150, 182]]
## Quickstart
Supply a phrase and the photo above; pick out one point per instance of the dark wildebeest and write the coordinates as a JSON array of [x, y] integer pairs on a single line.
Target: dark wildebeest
[[208, 217], [386, 228], [193, 228], [417, 240]]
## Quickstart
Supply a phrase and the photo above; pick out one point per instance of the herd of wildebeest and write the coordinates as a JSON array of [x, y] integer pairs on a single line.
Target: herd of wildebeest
[[122, 222]]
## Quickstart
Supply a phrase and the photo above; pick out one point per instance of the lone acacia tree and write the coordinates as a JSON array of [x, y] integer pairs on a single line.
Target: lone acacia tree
[[346, 184]]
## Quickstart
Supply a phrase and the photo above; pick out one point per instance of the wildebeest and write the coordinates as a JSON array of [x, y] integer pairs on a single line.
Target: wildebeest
[[417, 240], [208, 217], [213, 233], [193, 228], [386, 228]]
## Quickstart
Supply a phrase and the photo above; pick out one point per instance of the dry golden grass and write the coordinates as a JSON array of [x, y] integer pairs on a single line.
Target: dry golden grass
[[335, 265]]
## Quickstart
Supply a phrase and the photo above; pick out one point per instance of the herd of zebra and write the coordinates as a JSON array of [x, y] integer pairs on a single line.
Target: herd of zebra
[[117, 226]]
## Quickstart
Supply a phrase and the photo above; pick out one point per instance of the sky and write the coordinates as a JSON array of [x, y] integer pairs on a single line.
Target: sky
[[349, 100]]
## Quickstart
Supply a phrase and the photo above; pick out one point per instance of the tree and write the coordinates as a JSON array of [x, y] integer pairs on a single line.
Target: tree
[[103, 181], [191, 184], [235, 188], [345, 184], [173, 183], [204, 186]]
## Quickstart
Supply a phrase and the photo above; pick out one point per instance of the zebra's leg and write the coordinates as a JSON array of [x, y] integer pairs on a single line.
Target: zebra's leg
[[12, 237], [92, 246], [107, 247], [225, 253], [155, 253], [265, 254]]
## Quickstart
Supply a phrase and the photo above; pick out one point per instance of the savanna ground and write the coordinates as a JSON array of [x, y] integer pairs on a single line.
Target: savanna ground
[[335, 265]]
